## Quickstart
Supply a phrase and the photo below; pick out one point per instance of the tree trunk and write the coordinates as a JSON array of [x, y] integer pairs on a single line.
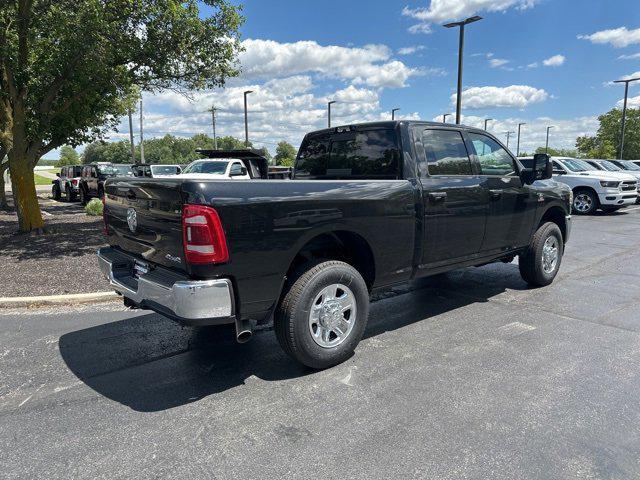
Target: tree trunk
[[24, 191]]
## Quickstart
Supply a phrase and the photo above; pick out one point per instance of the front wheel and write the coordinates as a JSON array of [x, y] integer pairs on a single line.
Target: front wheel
[[323, 314], [539, 265], [585, 202], [83, 197], [55, 193]]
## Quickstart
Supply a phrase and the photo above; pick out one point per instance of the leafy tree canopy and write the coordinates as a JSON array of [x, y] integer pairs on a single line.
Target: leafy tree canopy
[[285, 154], [606, 142], [68, 156]]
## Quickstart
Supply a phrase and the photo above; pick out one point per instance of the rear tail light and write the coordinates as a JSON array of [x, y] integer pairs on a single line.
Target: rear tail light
[[105, 228], [74, 182], [203, 235]]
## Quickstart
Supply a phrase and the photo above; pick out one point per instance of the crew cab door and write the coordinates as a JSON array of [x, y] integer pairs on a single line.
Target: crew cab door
[[512, 204], [454, 200]]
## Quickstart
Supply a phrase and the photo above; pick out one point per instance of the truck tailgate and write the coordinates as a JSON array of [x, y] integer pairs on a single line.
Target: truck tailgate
[[144, 217]]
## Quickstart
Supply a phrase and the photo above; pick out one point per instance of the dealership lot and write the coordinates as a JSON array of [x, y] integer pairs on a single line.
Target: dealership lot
[[468, 376]]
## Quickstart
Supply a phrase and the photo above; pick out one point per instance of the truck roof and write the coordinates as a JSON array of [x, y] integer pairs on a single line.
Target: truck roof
[[394, 124]]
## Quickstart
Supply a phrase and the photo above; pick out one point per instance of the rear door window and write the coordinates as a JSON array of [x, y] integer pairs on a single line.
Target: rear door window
[[365, 154], [446, 153]]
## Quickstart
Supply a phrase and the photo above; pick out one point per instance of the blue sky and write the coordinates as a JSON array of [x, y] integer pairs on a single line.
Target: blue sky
[[543, 62]]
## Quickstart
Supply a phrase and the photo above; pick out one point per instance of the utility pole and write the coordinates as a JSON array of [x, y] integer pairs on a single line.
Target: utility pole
[[624, 110], [329, 112], [508, 135], [141, 134], [461, 24], [246, 120], [133, 147], [486, 120], [213, 123], [393, 113], [546, 147], [518, 147]]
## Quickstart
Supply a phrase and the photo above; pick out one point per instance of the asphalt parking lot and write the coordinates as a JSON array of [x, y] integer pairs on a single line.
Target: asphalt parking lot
[[470, 376]]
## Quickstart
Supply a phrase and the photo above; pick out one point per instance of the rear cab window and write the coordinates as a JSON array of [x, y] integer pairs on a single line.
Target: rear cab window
[[360, 154]]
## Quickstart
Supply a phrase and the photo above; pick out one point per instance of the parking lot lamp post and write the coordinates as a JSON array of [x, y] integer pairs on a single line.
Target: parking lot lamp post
[[329, 112], [486, 120], [444, 117], [624, 109], [461, 25], [546, 147], [393, 113], [518, 147], [246, 120]]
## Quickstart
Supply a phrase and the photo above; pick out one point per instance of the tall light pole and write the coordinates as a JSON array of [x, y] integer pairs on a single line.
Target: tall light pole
[[624, 109], [246, 120], [508, 135], [486, 120], [444, 117], [141, 134], [546, 147], [518, 147], [329, 112], [461, 24], [393, 113], [213, 111], [133, 147]]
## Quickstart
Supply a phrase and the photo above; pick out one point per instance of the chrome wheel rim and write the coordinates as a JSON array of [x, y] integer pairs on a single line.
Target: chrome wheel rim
[[550, 253], [333, 315], [582, 202]]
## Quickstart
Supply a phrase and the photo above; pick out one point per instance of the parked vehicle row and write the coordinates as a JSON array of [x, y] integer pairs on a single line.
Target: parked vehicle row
[[369, 206], [596, 184]]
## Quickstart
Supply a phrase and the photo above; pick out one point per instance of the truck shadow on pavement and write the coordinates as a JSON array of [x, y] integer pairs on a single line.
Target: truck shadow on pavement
[[150, 363]]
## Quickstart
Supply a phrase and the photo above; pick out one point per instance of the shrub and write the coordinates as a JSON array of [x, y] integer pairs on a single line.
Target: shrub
[[94, 207]]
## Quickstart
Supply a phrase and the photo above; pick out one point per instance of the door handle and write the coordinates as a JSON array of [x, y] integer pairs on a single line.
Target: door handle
[[436, 197], [495, 194]]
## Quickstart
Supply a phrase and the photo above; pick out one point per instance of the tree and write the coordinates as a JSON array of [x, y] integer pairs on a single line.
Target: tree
[[606, 142], [4, 165], [67, 69], [558, 152], [285, 154], [68, 156]]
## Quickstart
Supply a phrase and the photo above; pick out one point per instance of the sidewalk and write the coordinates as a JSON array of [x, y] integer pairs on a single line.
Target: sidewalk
[[61, 262]]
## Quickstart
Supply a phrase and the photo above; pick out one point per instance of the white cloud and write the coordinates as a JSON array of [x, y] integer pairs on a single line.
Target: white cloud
[[497, 62], [629, 77], [442, 10], [617, 37], [513, 96], [371, 65], [635, 56], [533, 65], [555, 61], [410, 50], [632, 102]]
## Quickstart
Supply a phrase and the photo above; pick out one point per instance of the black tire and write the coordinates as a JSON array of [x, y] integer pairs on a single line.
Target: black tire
[[585, 202], [531, 262], [83, 197], [55, 192], [100, 192], [292, 317], [68, 196]]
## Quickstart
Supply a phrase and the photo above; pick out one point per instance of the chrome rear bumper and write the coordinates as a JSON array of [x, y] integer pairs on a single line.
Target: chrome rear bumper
[[192, 302]]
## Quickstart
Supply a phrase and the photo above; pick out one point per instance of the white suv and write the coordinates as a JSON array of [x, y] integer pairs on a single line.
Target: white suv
[[593, 189]]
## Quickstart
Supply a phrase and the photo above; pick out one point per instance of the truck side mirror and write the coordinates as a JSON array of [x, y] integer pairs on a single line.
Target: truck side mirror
[[542, 167]]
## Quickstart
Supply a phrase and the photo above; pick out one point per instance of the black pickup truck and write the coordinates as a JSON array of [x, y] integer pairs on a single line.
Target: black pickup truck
[[369, 206]]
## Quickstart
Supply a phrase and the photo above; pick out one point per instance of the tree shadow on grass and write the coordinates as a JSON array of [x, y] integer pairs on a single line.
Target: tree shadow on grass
[[150, 363]]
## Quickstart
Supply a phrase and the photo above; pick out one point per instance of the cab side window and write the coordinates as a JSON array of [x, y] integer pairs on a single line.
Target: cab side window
[[557, 168], [446, 153], [494, 160]]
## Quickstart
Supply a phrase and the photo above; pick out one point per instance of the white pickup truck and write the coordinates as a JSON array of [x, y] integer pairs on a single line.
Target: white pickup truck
[[216, 169], [595, 189]]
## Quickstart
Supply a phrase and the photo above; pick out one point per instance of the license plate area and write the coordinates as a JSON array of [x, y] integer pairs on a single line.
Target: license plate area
[[140, 268]]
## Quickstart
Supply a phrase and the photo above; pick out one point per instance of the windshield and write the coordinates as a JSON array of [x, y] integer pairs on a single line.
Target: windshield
[[577, 165], [164, 169], [629, 165], [214, 167], [116, 170], [611, 167]]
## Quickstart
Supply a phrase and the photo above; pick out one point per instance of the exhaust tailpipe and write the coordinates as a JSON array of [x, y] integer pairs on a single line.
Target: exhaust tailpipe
[[243, 330]]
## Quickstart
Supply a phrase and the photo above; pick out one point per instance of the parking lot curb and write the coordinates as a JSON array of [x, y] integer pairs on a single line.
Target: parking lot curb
[[95, 297]]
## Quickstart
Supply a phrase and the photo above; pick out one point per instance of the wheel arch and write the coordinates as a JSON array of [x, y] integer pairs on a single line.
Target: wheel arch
[[557, 215]]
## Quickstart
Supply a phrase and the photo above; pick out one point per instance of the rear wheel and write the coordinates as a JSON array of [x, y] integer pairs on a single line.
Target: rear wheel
[[539, 265], [55, 192], [83, 197], [585, 202], [323, 314], [68, 196]]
